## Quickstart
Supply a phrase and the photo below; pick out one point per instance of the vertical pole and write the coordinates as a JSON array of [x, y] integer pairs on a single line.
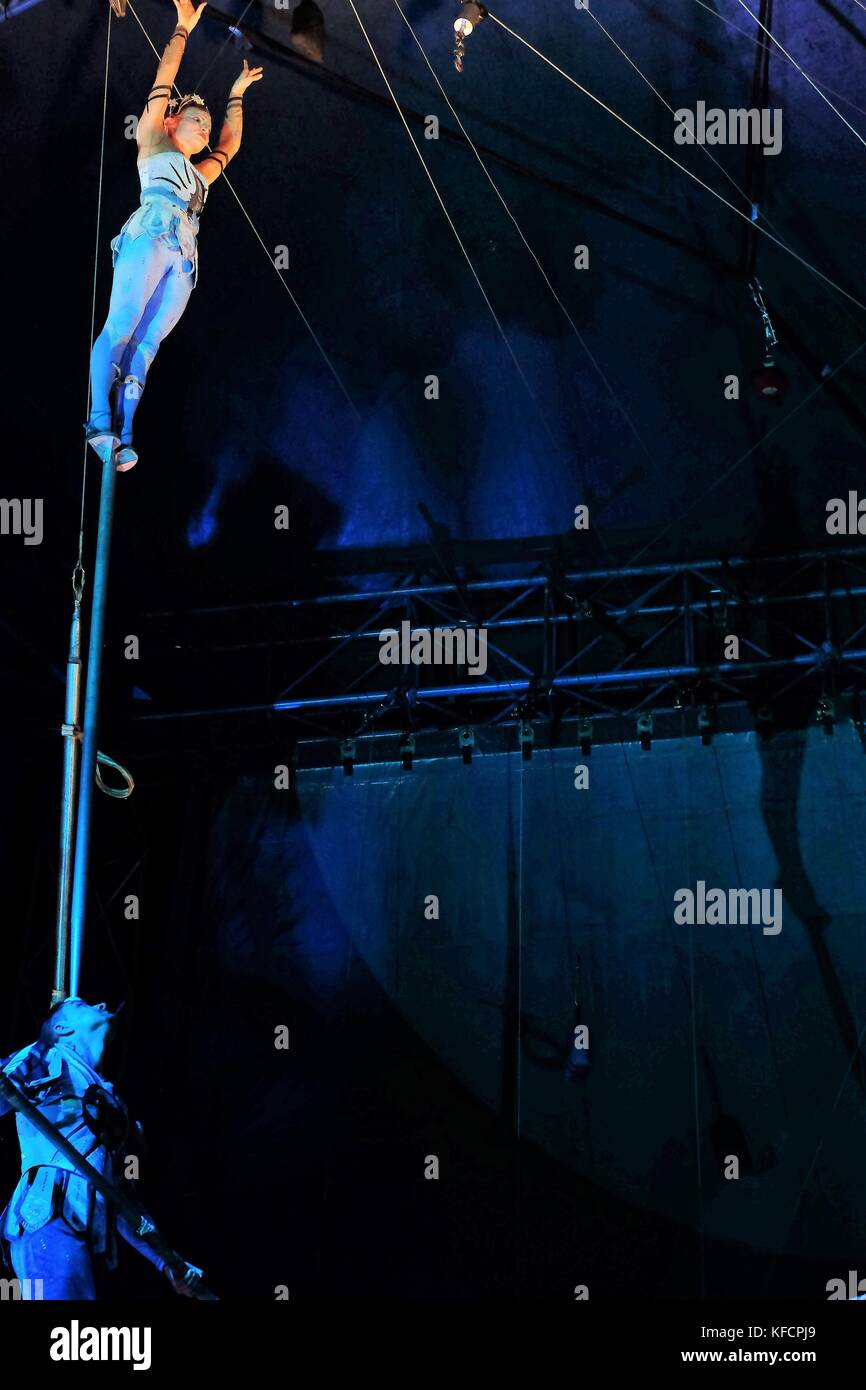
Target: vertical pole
[[71, 767], [688, 622], [91, 721]]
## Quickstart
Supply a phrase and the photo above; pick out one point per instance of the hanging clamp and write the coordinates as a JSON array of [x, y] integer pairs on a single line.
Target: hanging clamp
[[771, 341], [768, 379], [78, 584]]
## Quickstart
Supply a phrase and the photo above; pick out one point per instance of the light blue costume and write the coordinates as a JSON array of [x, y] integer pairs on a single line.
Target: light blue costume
[[155, 258], [55, 1220]]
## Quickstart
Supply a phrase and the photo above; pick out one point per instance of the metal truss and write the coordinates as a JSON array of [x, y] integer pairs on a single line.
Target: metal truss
[[576, 657]]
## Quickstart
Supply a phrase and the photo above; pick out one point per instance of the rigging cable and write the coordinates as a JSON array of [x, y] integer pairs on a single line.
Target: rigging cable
[[732, 181], [463, 250], [802, 71], [658, 149], [744, 33], [331, 368], [78, 573], [575, 330]]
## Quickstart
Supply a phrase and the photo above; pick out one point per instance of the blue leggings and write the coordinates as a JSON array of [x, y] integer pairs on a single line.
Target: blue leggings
[[57, 1256], [148, 295]]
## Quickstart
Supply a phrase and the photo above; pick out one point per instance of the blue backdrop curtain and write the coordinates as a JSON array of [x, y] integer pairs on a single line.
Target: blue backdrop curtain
[[705, 1040]]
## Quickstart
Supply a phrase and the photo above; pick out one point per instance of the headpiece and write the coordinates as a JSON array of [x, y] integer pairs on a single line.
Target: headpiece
[[177, 104]]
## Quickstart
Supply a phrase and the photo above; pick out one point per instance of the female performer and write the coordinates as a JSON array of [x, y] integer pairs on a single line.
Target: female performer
[[155, 255]]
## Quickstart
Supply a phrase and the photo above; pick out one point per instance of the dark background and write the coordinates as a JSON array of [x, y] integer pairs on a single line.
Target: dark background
[[315, 1180]]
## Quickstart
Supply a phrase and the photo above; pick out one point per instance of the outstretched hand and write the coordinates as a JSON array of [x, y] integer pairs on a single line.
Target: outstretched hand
[[188, 14], [248, 76]]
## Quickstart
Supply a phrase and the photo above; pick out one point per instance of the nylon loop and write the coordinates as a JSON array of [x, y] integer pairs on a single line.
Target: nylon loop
[[120, 793]]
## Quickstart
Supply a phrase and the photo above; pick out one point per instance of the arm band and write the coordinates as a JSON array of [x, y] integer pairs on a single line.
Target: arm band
[[157, 94], [231, 101], [217, 154]]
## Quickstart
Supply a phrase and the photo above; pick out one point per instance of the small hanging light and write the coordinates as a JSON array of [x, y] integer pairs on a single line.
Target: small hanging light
[[469, 17]]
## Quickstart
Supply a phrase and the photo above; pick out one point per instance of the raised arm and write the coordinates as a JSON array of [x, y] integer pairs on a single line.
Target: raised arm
[[211, 165], [150, 122]]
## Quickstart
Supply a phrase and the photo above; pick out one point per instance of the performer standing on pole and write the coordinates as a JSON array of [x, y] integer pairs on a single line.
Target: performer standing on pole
[[155, 255], [56, 1222]]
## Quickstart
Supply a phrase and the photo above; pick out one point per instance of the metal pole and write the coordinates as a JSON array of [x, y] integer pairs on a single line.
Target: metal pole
[[505, 555], [16, 7], [71, 766], [640, 675], [91, 721], [135, 1216]]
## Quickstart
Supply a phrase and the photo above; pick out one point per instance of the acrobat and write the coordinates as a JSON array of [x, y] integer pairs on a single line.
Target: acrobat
[[155, 254], [55, 1221]]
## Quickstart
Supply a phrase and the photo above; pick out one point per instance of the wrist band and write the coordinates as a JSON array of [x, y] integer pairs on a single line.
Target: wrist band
[[183, 33], [232, 100]]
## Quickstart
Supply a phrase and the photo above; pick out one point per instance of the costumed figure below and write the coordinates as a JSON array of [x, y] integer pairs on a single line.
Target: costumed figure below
[[55, 1221]]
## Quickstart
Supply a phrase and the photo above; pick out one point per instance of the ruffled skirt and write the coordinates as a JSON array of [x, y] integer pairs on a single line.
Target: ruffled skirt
[[158, 218]]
